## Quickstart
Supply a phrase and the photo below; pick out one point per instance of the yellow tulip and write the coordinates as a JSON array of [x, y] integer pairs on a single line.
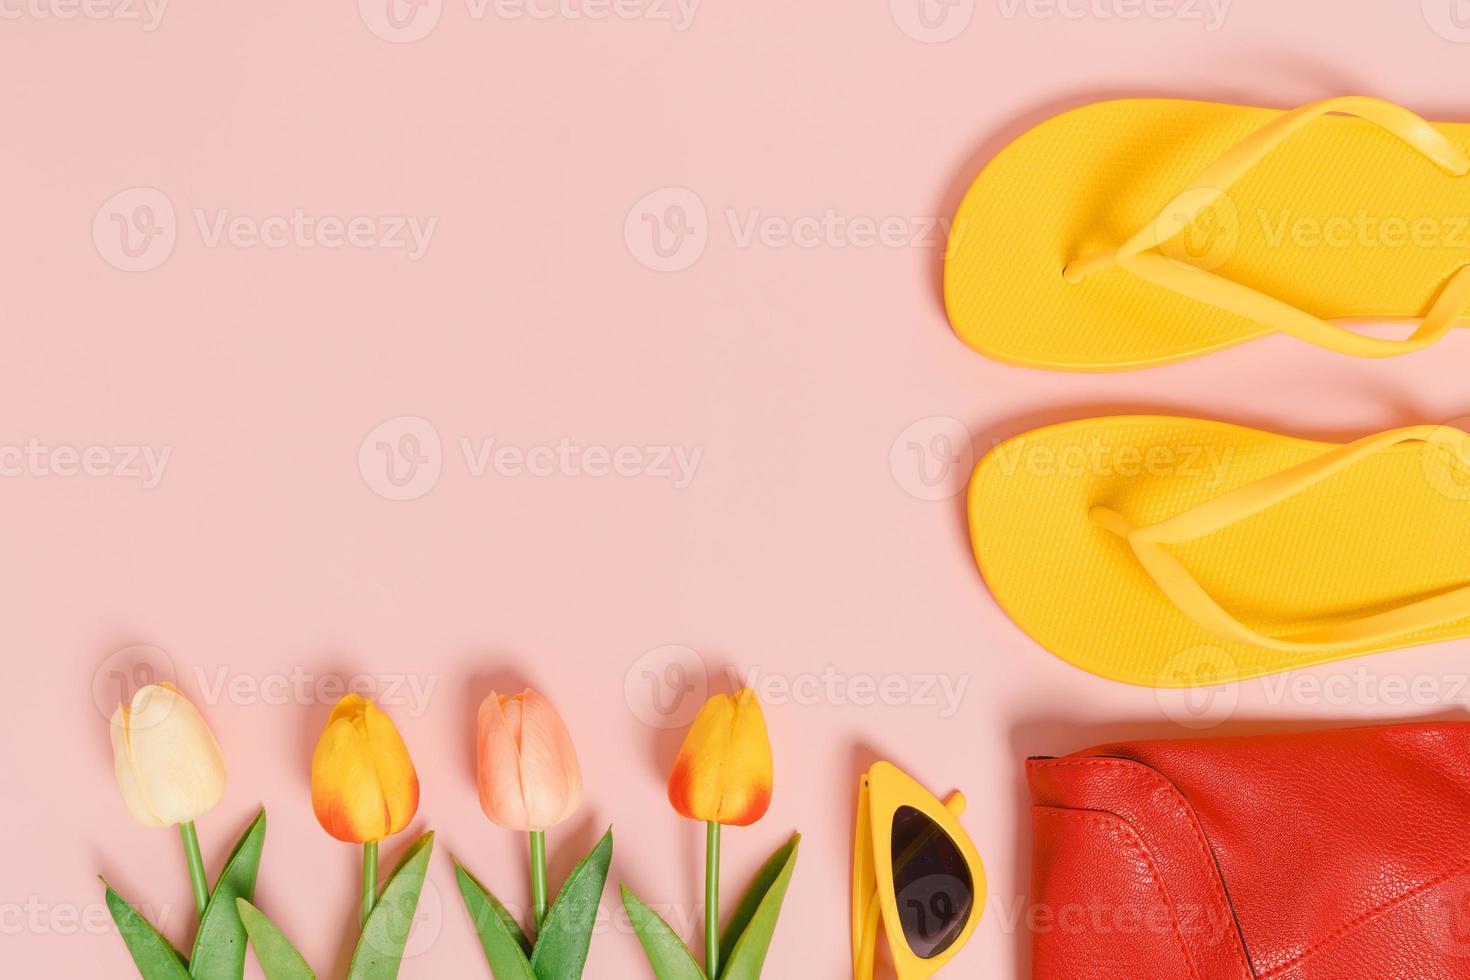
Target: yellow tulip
[[723, 774], [363, 784], [169, 767]]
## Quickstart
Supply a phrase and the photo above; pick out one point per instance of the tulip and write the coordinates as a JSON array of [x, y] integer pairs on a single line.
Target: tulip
[[363, 784], [723, 773], [169, 768], [528, 774], [722, 776]]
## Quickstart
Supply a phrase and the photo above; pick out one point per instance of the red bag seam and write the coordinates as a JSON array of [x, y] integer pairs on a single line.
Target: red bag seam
[[1363, 917], [1143, 852], [1183, 807]]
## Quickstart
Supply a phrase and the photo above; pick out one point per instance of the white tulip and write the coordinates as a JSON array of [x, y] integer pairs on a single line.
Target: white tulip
[[169, 767]]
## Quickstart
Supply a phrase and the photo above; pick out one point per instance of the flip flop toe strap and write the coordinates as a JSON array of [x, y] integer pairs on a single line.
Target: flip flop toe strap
[[1137, 256], [1184, 590]]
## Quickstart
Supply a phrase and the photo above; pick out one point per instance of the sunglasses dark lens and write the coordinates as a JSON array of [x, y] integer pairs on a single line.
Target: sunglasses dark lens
[[935, 891]]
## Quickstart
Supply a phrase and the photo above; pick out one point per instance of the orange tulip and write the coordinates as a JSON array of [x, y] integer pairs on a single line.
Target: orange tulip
[[528, 772], [363, 784], [723, 773]]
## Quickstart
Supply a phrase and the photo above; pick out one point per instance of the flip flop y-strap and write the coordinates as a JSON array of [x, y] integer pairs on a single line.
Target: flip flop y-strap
[[1181, 588], [1136, 255]]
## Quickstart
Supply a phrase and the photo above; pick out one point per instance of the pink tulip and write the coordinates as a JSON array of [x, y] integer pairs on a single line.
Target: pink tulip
[[528, 771]]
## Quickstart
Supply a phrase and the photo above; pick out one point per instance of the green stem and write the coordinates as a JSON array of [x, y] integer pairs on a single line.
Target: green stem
[[712, 901], [196, 865], [538, 875], [369, 878]]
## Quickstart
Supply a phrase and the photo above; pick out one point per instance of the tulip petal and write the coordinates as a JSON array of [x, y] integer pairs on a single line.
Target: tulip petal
[[695, 785], [749, 767], [179, 767], [551, 778], [345, 793], [128, 782], [510, 707], [498, 765], [396, 776]]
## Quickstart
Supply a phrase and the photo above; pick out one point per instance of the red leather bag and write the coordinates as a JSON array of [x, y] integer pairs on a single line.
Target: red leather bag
[[1318, 856]]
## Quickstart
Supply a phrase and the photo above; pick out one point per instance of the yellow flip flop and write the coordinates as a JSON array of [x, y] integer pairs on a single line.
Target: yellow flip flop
[[1137, 232], [1173, 552]]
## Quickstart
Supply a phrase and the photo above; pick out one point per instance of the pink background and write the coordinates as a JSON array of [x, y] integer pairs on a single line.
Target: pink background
[[804, 541]]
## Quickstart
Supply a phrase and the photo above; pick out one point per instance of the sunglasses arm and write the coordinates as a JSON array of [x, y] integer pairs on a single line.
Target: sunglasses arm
[[867, 948]]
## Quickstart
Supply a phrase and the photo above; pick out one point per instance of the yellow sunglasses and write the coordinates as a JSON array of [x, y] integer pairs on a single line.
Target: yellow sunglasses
[[915, 868]]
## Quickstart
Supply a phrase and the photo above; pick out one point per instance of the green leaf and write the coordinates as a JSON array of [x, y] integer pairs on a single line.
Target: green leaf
[[561, 946], [748, 936], [506, 947], [153, 955], [380, 950], [667, 954], [219, 947], [278, 958]]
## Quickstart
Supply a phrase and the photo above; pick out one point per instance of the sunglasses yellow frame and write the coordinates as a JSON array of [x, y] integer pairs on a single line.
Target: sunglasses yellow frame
[[882, 792]]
